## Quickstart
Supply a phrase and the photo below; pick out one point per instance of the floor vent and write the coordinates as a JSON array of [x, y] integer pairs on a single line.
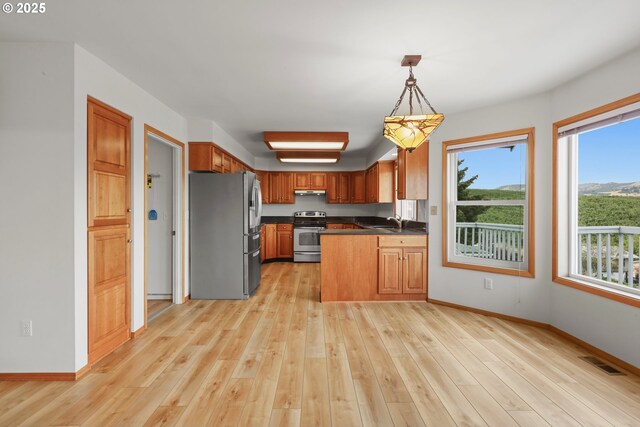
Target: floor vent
[[601, 365]]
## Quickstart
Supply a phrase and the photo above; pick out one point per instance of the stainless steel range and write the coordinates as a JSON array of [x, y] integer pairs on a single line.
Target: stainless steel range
[[306, 235]]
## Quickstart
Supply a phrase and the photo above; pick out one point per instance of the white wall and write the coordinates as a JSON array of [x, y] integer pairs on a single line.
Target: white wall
[[608, 325], [36, 219], [159, 237], [515, 296], [604, 323], [96, 78]]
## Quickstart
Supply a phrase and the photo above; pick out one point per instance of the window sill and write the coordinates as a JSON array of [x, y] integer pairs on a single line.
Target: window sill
[[601, 291], [491, 269]]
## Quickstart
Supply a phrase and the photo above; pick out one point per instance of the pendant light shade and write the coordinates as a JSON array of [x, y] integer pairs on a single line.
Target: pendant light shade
[[408, 132]]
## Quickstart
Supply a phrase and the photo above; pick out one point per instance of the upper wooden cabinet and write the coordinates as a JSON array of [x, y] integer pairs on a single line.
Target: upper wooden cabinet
[[207, 157], [281, 187], [339, 187], [263, 177], [358, 187], [379, 182], [310, 180], [413, 173]]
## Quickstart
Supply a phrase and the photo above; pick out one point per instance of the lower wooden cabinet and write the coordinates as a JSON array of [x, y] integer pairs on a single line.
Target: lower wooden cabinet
[[278, 241], [263, 243], [402, 270]]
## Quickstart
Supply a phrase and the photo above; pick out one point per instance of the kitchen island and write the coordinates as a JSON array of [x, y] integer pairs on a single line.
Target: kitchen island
[[373, 264]]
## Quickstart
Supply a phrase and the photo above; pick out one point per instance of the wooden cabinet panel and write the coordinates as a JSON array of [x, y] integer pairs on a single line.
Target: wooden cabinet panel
[[358, 187], [285, 243], [271, 242], [281, 187], [335, 226], [379, 183], [390, 271], [317, 181], [226, 163], [400, 241], [263, 177], [414, 270], [413, 173], [302, 181], [284, 227], [263, 243], [344, 188], [200, 156], [216, 160], [332, 187]]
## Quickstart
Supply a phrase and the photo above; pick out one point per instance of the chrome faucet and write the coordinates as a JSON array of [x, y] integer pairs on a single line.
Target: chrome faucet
[[397, 218]]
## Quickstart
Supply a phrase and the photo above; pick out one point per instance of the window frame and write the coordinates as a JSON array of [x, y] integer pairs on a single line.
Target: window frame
[[565, 184], [527, 267]]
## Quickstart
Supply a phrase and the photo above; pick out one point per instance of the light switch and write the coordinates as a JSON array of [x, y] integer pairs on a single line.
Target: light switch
[[434, 210]]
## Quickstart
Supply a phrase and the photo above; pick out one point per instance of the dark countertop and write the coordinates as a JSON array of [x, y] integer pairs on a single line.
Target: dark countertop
[[412, 227], [374, 231]]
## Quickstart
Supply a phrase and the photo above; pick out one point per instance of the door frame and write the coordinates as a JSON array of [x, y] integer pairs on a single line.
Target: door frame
[[178, 291]]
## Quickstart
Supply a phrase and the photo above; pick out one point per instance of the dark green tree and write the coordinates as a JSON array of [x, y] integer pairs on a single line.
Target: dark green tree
[[467, 213]]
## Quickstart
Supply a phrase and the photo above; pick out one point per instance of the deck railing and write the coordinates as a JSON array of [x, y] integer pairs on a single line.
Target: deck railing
[[609, 253]]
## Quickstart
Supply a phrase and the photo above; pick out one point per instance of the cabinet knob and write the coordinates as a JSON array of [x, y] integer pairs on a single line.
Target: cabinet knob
[[129, 210], [401, 241], [128, 240]]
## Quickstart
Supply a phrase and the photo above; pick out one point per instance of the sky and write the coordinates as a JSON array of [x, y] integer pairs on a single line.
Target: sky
[[609, 154]]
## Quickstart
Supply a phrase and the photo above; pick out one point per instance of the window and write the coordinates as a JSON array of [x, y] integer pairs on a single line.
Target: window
[[488, 201], [597, 204]]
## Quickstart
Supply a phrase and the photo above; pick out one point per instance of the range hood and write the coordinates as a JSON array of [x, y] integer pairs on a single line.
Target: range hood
[[310, 192]]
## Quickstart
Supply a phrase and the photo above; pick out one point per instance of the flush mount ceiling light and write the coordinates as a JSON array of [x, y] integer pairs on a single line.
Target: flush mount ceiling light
[[307, 141], [308, 157], [408, 132]]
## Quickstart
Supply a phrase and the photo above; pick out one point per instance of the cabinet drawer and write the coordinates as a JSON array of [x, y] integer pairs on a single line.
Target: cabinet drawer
[[397, 241], [284, 227]]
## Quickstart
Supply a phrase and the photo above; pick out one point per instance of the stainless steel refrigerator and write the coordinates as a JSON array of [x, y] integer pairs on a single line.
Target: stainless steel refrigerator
[[225, 212]]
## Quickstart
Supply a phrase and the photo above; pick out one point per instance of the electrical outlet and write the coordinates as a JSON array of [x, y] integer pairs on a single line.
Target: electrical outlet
[[26, 328], [488, 284], [434, 210]]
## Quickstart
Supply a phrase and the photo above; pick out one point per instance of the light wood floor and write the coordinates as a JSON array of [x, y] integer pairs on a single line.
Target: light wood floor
[[284, 359]]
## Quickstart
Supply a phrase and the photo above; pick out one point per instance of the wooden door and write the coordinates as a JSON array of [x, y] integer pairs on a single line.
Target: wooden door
[[271, 242], [358, 189], [286, 187], [318, 180], [109, 219], [301, 181], [414, 270], [390, 271], [285, 243], [332, 188], [344, 188]]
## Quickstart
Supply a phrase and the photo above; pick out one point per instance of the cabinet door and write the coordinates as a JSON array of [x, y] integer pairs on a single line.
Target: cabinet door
[[335, 226], [374, 184], [263, 243], [414, 270], [286, 187], [317, 181], [263, 177], [216, 159], [271, 242], [274, 187], [332, 188], [200, 156], [401, 174], [390, 271], [358, 189], [226, 163], [285, 244], [345, 188], [301, 181]]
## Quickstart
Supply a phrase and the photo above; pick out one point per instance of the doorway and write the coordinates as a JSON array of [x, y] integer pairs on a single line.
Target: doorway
[[164, 180]]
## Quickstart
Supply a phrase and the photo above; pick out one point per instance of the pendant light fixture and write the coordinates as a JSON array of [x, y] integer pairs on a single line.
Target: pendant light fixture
[[408, 132]]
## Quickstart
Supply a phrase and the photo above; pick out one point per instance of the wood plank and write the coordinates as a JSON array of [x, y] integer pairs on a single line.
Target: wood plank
[[316, 409]]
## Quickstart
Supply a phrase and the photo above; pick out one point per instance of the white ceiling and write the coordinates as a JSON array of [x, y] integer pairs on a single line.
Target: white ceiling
[[335, 65]]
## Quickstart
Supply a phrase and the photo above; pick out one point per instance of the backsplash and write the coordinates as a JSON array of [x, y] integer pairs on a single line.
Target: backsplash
[[319, 203]]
